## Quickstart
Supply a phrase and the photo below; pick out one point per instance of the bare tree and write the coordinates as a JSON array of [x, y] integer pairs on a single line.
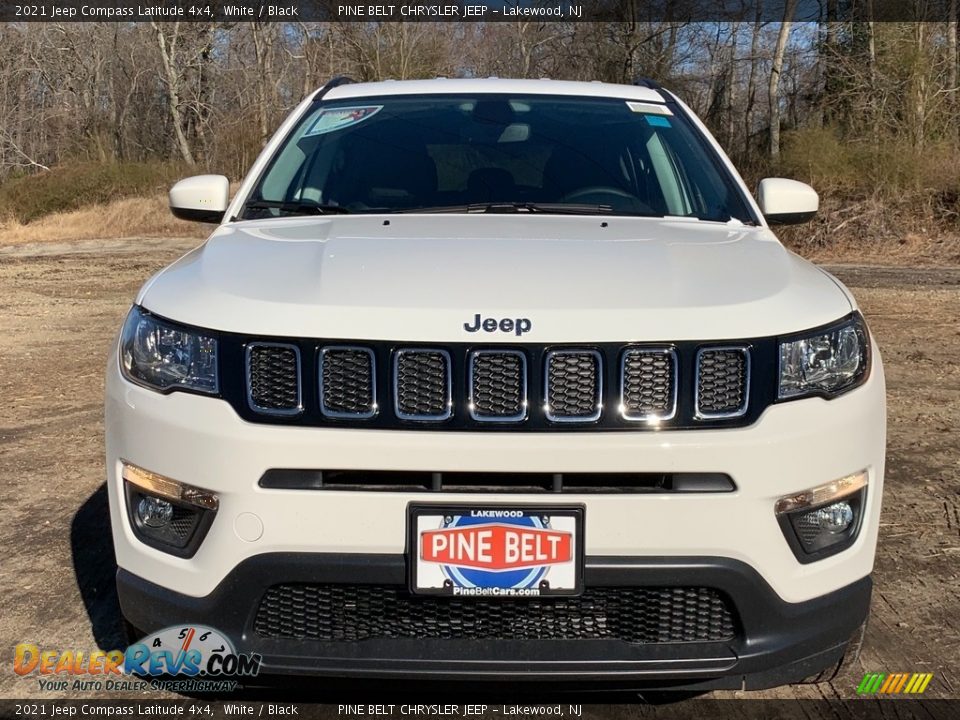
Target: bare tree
[[174, 79], [264, 38], [144, 91], [774, 88], [953, 60]]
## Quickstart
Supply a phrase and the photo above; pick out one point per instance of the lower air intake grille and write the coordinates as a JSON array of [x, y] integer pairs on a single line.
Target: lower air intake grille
[[573, 385], [498, 385], [347, 386], [349, 613], [722, 377], [273, 378], [649, 390], [422, 384]]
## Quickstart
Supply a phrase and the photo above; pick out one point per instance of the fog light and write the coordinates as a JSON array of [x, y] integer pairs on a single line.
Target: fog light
[[167, 514], [835, 518], [154, 512], [823, 520]]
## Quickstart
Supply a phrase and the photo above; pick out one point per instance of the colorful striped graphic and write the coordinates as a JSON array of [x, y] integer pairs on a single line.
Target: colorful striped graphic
[[894, 683]]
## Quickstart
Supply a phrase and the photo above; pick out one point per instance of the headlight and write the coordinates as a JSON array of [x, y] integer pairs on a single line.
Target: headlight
[[164, 356], [827, 363]]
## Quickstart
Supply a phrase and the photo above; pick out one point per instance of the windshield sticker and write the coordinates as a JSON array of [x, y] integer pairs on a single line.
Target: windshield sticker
[[338, 118], [649, 108], [657, 121]]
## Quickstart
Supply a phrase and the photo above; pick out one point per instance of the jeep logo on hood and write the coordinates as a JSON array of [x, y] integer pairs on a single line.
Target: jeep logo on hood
[[518, 326]]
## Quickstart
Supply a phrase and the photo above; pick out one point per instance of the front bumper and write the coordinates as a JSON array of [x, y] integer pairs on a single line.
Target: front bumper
[[776, 642], [203, 442]]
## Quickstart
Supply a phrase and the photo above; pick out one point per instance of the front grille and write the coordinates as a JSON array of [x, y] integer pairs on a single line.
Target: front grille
[[574, 390], [649, 383], [350, 613], [528, 387], [422, 384], [498, 385], [347, 382], [273, 378], [722, 382]]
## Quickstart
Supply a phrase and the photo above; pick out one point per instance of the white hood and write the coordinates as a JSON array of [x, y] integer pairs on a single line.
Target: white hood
[[422, 277]]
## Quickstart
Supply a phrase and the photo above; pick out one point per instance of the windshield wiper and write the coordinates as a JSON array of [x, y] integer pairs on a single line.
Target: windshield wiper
[[516, 207], [296, 207]]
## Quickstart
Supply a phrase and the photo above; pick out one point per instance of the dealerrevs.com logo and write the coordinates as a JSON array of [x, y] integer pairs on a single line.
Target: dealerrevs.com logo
[[894, 683], [181, 658], [192, 650]]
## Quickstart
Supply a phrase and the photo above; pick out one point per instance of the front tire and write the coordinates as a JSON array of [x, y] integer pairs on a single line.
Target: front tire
[[131, 633]]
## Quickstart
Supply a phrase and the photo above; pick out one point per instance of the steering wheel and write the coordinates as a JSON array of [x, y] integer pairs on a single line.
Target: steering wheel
[[584, 195]]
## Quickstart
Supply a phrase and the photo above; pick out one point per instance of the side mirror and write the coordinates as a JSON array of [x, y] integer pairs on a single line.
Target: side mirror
[[787, 202], [203, 198]]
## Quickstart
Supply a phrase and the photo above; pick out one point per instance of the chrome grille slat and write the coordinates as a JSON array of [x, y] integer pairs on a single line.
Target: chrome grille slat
[[648, 384], [574, 385], [498, 385], [273, 378], [348, 386], [422, 386], [463, 387], [722, 384]]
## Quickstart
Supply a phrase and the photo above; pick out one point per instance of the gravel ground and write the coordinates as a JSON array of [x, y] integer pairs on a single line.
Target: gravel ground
[[62, 303]]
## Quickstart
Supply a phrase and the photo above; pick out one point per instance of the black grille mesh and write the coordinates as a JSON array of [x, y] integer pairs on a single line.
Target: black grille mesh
[[808, 528], [348, 613], [498, 385], [347, 382], [573, 384], [273, 378], [722, 383], [183, 522], [423, 383], [649, 377]]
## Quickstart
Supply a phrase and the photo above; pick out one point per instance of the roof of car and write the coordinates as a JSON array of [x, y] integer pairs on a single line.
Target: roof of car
[[493, 85]]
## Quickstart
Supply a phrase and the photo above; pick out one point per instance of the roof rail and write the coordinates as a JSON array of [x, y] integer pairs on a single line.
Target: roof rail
[[647, 83], [334, 82]]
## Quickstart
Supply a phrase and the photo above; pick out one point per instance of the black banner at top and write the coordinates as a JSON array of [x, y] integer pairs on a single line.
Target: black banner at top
[[366, 11], [478, 707]]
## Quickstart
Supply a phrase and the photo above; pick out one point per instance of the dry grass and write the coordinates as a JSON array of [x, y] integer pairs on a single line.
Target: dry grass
[[911, 249], [878, 232], [130, 217], [881, 202]]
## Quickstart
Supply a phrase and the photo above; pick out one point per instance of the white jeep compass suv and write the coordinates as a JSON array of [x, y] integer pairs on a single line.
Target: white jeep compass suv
[[487, 376]]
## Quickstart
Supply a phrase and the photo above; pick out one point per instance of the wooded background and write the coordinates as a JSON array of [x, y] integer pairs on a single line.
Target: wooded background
[[868, 112]]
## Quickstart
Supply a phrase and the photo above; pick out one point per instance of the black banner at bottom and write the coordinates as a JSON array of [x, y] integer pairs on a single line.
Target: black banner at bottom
[[634, 706]]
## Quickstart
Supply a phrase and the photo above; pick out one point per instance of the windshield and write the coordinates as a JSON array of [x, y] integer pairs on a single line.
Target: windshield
[[492, 153]]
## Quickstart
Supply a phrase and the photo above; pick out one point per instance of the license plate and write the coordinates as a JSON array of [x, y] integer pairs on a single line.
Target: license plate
[[496, 551]]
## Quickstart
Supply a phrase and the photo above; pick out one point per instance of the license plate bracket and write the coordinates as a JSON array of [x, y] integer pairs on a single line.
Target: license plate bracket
[[508, 551]]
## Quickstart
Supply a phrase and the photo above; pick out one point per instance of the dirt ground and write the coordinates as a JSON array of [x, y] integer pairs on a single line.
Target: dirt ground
[[61, 304]]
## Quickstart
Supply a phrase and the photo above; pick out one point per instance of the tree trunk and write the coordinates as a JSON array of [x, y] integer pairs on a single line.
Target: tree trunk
[[774, 88], [872, 90], [829, 61], [752, 77], [952, 68], [919, 87], [263, 49], [731, 103], [168, 55]]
